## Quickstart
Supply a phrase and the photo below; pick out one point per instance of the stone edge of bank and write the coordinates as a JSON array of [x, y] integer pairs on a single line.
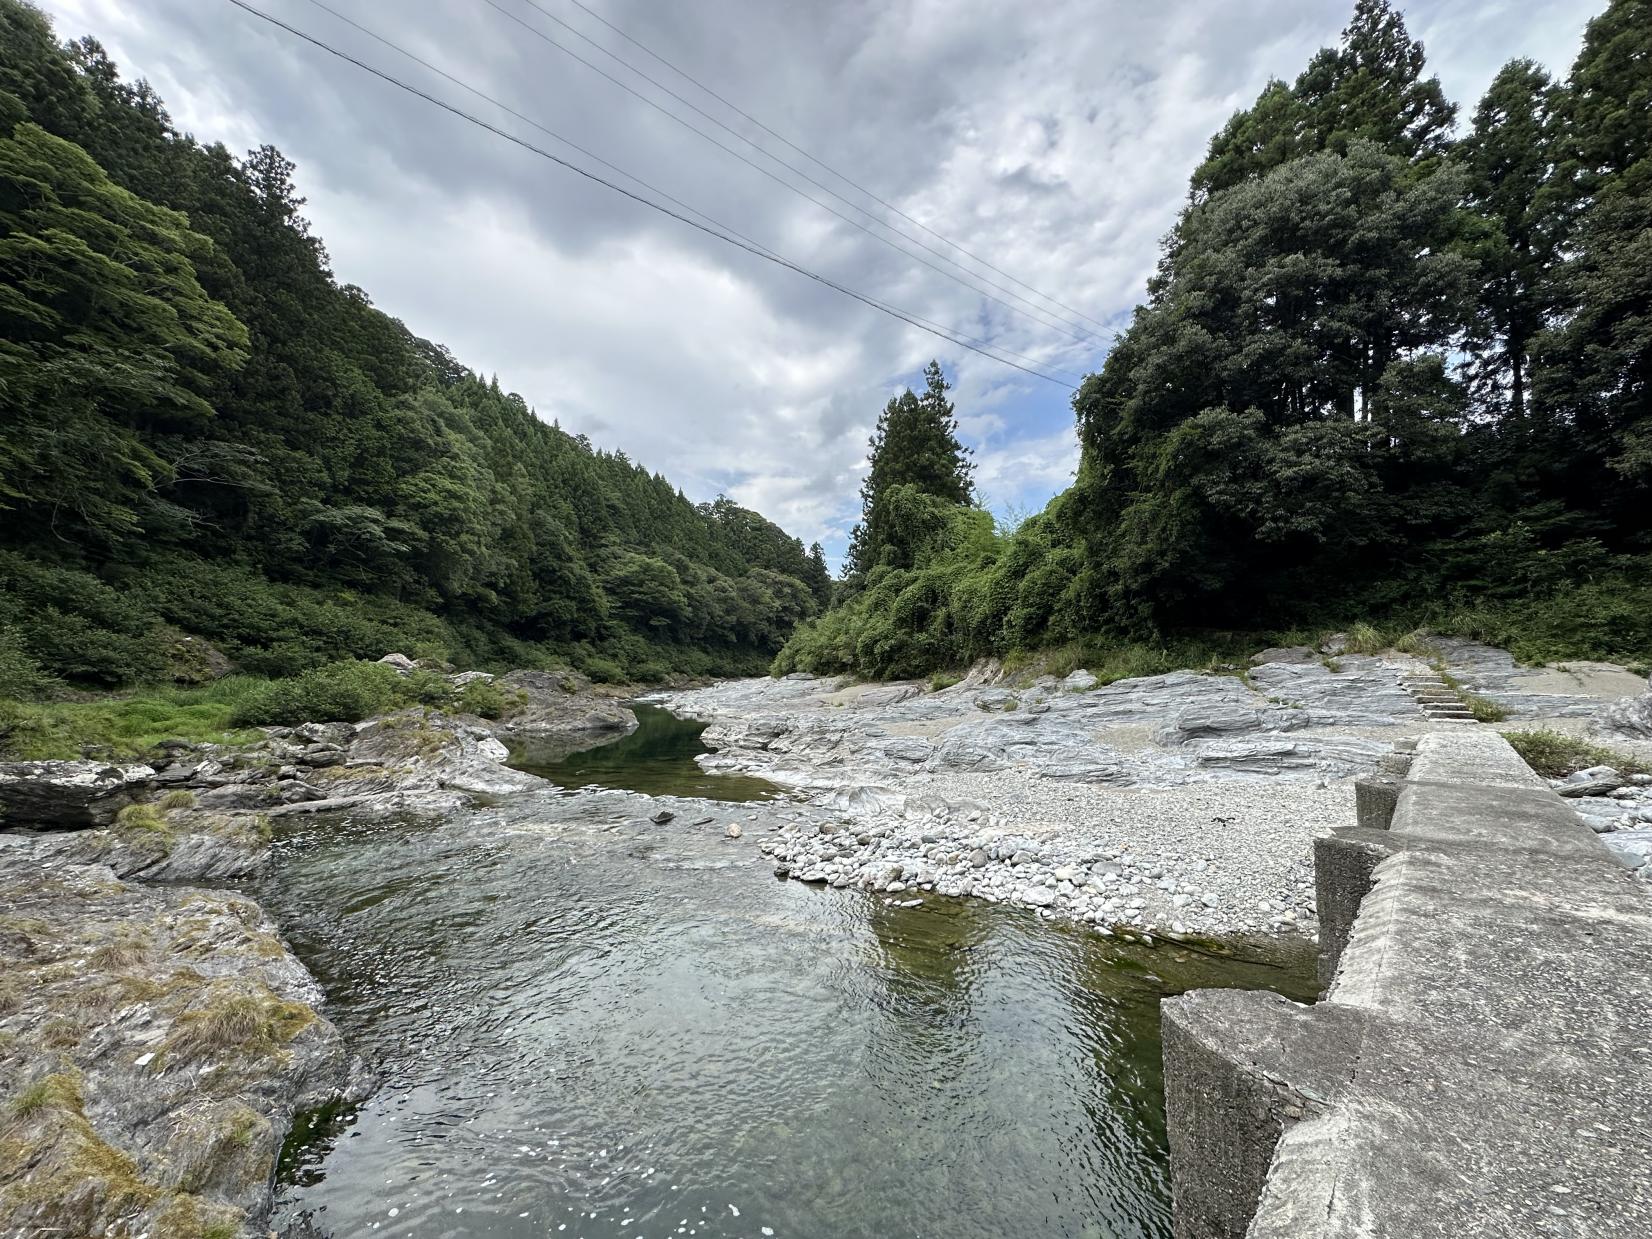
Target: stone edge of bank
[[1477, 1064]]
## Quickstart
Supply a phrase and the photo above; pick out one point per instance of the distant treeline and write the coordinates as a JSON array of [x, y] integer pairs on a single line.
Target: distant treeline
[[1389, 368], [204, 433]]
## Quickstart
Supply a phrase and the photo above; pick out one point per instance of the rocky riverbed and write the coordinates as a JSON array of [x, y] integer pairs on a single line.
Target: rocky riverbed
[[156, 1041], [1180, 803]]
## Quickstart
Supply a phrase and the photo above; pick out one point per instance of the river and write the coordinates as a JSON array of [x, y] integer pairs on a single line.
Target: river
[[591, 1025]]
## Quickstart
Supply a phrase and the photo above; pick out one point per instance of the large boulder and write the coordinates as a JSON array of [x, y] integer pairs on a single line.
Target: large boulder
[[67, 793], [1633, 849], [177, 845], [419, 754], [1631, 716], [546, 705]]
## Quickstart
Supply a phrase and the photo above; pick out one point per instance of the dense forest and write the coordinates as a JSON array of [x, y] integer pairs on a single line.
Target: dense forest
[[206, 434], [1392, 369]]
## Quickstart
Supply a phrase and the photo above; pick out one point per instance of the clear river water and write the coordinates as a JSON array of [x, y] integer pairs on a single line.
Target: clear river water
[[588, 1025]]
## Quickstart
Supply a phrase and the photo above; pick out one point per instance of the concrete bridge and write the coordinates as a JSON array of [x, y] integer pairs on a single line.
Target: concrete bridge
[[1481, 1063]]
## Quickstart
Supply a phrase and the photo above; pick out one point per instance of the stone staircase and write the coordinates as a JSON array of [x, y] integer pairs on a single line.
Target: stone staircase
[[1440, 702]]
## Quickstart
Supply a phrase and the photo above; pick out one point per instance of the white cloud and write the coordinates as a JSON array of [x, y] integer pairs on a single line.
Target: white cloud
[[1054, 140]]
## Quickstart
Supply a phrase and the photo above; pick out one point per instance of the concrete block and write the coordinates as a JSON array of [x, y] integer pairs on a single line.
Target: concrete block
[[1478, 1066], [1375, 796], [1240, 1068]]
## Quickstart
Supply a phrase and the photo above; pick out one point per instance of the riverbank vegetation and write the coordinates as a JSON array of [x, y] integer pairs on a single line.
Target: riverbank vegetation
[[229, 710], [1391, 369], [214, 451], [1555, 754]]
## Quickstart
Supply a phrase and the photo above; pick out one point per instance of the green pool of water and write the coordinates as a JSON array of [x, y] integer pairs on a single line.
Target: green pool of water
[[591, 1026], [657, 758]]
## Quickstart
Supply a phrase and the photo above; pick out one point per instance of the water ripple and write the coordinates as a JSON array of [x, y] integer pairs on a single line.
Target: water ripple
[[591, 1027]]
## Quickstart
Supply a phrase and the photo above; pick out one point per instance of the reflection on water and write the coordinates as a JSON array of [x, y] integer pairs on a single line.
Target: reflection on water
[[592, 1026], [657, 758]]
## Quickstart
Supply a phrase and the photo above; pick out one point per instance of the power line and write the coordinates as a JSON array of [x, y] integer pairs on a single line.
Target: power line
[[821, 163], [654, 189], [752, 248], [1087, 338]]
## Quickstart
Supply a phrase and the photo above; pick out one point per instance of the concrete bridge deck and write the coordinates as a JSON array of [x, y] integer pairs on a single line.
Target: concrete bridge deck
[[1481, 1064]]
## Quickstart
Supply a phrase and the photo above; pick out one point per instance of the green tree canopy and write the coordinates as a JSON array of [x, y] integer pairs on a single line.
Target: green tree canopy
[[915, 444], [109, 346]]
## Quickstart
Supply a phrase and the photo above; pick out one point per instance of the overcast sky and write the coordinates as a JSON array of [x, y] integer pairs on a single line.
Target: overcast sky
[[1053, 140]]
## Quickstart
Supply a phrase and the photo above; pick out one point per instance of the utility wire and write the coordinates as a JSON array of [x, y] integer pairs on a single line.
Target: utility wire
[[821, 163], [635, 197], [1085, 337], [767, 252]]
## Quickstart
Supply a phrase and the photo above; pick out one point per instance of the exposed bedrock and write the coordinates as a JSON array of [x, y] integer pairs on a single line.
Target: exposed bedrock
[[68, 793], [1291, 718], [155, 1044]]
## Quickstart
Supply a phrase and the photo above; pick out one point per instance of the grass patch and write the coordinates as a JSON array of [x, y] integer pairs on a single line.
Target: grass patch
[[1111, 662], [231, 1022], [1484, 709], [49, 1093], [943, 680], [124, 727], [225, 712], [179, 799], [1365, 639], [1554, 754], [141, 817]]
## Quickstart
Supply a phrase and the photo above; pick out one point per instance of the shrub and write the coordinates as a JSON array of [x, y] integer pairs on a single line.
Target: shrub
[[20, 674], [1484, 709], [425, 688], [344, 692], [602, 670], [484, 698], [1554, 754]]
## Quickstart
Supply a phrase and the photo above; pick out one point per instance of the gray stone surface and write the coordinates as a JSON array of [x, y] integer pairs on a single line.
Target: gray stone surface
[[67, 793], [1495, 987], [163, 1038], [1566, 690], [1630, 718], [810, 733], [547, 706]]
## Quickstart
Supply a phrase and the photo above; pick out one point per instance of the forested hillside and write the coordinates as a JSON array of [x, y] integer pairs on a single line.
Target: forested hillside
[[204, 433], [1391, 369]]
